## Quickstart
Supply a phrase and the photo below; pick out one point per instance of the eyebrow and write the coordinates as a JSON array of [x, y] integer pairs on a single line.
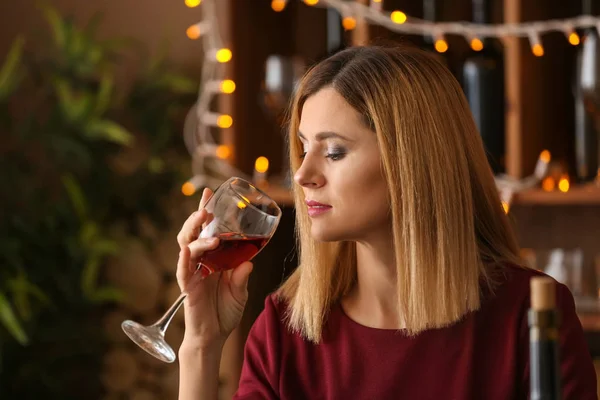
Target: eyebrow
[[326, 135]]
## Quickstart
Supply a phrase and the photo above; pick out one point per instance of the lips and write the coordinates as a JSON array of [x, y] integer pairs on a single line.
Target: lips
[[312, 203], [315, 208]]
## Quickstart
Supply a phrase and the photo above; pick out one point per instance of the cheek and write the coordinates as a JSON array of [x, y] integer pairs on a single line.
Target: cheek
[[365, 196]]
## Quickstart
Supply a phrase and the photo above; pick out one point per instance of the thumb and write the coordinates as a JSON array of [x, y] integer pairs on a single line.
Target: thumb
[[239, 280]]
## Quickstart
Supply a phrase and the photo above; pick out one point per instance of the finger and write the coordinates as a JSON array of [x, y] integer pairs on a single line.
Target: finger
[[182, 270], [239, 281], [206, 195], [195, 279], [191, 228], [209, 218], [200, 246]]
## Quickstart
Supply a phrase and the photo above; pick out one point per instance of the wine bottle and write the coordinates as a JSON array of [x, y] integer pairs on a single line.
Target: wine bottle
[[543, 317], [587, 102], [483, 84], [335, 32]]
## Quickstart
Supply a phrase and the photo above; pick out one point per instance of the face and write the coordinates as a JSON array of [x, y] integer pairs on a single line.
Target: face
[[346, 193]]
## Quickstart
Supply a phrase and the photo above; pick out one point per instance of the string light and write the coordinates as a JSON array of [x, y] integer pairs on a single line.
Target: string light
[[224, 121], [195, 31], [508, 186], [349, 23], [398, 17], [223, 152], [545, 156], [227, 86], [548, 184], [574, 38], [541, 167], [278, 5], [223, 55], [506, 196], [476, 44], [261, 164], [220, 120], [192, 3], [190, 187], [373, 14], [536, 45], [441, 46], [563, 184]]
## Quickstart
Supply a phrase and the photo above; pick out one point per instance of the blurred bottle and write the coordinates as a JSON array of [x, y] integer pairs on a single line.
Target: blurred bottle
[[544, 376], [587, 101], [483, 83]]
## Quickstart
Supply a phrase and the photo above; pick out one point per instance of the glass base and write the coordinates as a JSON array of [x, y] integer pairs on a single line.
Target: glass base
[[150, 339]]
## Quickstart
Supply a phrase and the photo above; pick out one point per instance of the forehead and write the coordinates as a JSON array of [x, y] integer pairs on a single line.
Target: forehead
[[327, 110]]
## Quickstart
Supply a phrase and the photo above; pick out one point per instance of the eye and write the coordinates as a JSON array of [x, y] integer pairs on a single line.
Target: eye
[[336, 154]]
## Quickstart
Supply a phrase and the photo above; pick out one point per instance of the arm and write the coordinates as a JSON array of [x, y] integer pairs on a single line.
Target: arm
[[213, 308], [199, 372]]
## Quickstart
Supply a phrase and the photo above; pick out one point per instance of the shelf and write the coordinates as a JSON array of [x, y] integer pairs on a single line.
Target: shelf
[[588, 310], [280, 194], [588, 194], [578, 195]]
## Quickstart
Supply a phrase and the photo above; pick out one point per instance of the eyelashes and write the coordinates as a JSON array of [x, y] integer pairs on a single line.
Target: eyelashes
[[334, 154]]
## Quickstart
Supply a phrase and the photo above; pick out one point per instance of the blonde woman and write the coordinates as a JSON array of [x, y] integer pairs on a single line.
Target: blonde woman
[[409, 284]]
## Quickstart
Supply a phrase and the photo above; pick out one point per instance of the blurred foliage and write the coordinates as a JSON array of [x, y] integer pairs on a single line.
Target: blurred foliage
[[80, 162]]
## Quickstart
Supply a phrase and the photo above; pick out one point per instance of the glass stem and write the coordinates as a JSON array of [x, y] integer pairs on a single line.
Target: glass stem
[[163, 323]]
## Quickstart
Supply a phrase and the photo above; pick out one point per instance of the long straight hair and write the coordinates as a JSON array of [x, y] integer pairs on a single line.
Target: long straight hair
[[450, 233]]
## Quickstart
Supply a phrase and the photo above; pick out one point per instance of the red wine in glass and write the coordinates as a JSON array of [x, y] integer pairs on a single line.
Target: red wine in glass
[[234, 248]]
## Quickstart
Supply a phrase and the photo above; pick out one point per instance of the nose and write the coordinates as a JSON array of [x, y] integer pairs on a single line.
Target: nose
[[309, 175]]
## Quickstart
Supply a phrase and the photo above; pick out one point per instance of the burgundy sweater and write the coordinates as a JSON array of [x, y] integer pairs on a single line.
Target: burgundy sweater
[[483, 356]]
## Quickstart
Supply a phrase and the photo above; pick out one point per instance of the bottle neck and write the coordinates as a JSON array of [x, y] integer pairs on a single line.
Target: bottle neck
[[482, 11], [430, 10], [587, 7]]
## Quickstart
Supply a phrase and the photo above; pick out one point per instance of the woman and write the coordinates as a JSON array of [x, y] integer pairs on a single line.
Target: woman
[[409, 284]]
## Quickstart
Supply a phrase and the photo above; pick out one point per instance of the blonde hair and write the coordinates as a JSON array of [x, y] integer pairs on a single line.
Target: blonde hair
[[450, 233]]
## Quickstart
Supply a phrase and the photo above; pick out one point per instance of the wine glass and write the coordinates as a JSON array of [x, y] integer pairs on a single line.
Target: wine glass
[[244, 219]]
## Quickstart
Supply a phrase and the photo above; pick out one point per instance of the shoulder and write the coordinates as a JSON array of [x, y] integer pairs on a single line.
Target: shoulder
[[272, 319], [514, 283], [511, 298]]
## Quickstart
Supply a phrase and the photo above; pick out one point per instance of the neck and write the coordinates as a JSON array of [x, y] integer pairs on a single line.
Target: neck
[[373, 300]]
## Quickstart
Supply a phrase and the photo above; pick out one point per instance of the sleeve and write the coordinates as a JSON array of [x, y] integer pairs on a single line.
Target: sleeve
[[260, 370], [578, 376]]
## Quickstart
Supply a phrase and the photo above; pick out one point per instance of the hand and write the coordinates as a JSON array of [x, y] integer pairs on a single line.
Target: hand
[[214, 303]]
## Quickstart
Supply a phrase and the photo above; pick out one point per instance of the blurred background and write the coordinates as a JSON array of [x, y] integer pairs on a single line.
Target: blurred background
[[114, 115]]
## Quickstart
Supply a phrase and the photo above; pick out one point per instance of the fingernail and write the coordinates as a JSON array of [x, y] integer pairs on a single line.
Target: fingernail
[[212, 240]]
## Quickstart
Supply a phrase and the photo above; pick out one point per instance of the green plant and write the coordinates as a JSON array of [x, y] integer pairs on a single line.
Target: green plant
[[75, 162]]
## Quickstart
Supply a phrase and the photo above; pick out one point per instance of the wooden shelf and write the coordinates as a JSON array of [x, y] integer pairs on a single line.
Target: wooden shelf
[[282, 195], [577, 195], [590, 322], [588, 194]]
